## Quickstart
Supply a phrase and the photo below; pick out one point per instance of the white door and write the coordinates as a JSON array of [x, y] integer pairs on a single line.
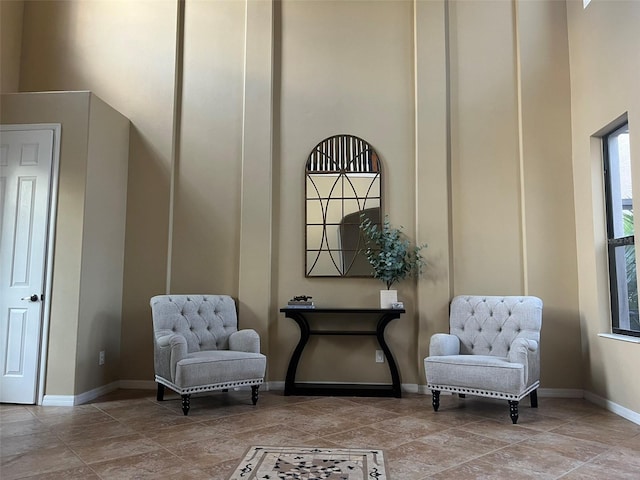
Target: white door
[[25, 163]]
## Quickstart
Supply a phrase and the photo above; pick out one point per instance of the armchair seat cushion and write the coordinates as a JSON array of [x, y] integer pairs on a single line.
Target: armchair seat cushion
[[481, 372], [230, 365]]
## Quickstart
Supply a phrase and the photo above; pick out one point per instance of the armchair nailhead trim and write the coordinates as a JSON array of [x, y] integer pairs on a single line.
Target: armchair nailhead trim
[[484, 393], [208, 388]]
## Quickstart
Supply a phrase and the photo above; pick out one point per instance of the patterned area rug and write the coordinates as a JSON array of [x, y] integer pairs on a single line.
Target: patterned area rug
[[297, 463]]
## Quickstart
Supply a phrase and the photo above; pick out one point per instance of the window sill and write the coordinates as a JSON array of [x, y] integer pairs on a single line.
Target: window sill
[[624, 338]]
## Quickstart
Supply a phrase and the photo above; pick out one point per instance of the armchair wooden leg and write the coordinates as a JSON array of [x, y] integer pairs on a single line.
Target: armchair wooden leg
[[186, 403], [513, 411], [462, 395], [160, 395], [533, 396], [254, 393], [435, 399]]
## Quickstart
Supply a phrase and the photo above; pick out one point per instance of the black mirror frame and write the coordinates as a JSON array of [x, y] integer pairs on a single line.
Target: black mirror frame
[[345, 158]]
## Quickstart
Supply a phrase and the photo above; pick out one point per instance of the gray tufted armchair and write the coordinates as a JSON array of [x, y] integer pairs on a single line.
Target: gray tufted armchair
[[198, 347], [492, 350]]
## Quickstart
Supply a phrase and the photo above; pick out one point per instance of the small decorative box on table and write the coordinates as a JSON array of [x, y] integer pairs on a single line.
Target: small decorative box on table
[[383, 316]]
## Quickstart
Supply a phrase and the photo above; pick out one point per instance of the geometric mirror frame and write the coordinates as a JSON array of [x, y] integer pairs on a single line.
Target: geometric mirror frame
[[343, 182]]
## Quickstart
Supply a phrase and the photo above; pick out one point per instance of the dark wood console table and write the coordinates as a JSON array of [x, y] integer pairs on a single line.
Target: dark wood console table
[[301, 317]]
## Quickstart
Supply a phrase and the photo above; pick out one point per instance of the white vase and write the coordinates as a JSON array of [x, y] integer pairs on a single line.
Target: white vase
[[387, 297]]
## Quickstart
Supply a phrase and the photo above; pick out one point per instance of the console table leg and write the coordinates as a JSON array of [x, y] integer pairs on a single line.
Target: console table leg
[[393, 368], [290, 379]]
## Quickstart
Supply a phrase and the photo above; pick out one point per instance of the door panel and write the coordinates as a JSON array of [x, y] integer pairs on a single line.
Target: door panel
[[25, 161], [16, 330]]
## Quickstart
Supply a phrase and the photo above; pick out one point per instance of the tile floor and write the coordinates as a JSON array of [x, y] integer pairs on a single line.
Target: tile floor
[[128, 434]]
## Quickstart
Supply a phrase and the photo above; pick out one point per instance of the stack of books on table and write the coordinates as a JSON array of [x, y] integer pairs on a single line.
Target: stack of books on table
[[300, 304]]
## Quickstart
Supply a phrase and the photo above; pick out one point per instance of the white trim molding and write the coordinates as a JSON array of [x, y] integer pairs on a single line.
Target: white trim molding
[[274, 386], [613, 407], [58, 401], [622, 338], [71, 400], [561, 392], [424, 390], [138, 384], [410, 388]]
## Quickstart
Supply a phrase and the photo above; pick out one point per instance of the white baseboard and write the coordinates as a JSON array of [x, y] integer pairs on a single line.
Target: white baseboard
[[275, 386], [561, 392], [423, 390], [58, 401], [410, 388], [71, 400], [613, 407], [138, 384]]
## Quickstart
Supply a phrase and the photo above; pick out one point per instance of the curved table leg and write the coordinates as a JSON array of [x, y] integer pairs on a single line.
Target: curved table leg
[[393, 368], [289, 383]]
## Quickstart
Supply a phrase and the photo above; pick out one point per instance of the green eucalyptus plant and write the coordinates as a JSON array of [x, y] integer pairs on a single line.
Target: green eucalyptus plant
[[389, 252]]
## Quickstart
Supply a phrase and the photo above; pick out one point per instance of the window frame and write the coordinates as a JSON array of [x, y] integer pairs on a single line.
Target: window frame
[[613, 242]]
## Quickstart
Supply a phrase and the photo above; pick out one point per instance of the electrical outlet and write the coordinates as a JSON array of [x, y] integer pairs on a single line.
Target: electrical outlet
[[379, 356], [101, 358]]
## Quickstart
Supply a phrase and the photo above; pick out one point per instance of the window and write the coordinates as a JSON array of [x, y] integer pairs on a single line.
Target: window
[[620, 232]]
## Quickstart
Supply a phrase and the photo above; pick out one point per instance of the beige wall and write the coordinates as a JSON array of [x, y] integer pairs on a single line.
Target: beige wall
[[70, 111], [11, 14], [546, 187], [511, 182], [467, 104], [340, 76], [206, 209], [100, 311], [605, 66], [125, 53], [487, 248], [86, 298]]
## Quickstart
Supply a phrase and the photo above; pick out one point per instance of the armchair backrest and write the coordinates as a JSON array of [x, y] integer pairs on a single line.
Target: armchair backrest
[[205, 321], [488, 325]]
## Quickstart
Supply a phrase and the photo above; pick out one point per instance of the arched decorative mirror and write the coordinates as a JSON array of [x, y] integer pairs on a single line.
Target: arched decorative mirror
[[343, 182]]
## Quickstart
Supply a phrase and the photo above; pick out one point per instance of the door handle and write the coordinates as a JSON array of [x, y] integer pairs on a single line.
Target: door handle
[[32, 298]]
